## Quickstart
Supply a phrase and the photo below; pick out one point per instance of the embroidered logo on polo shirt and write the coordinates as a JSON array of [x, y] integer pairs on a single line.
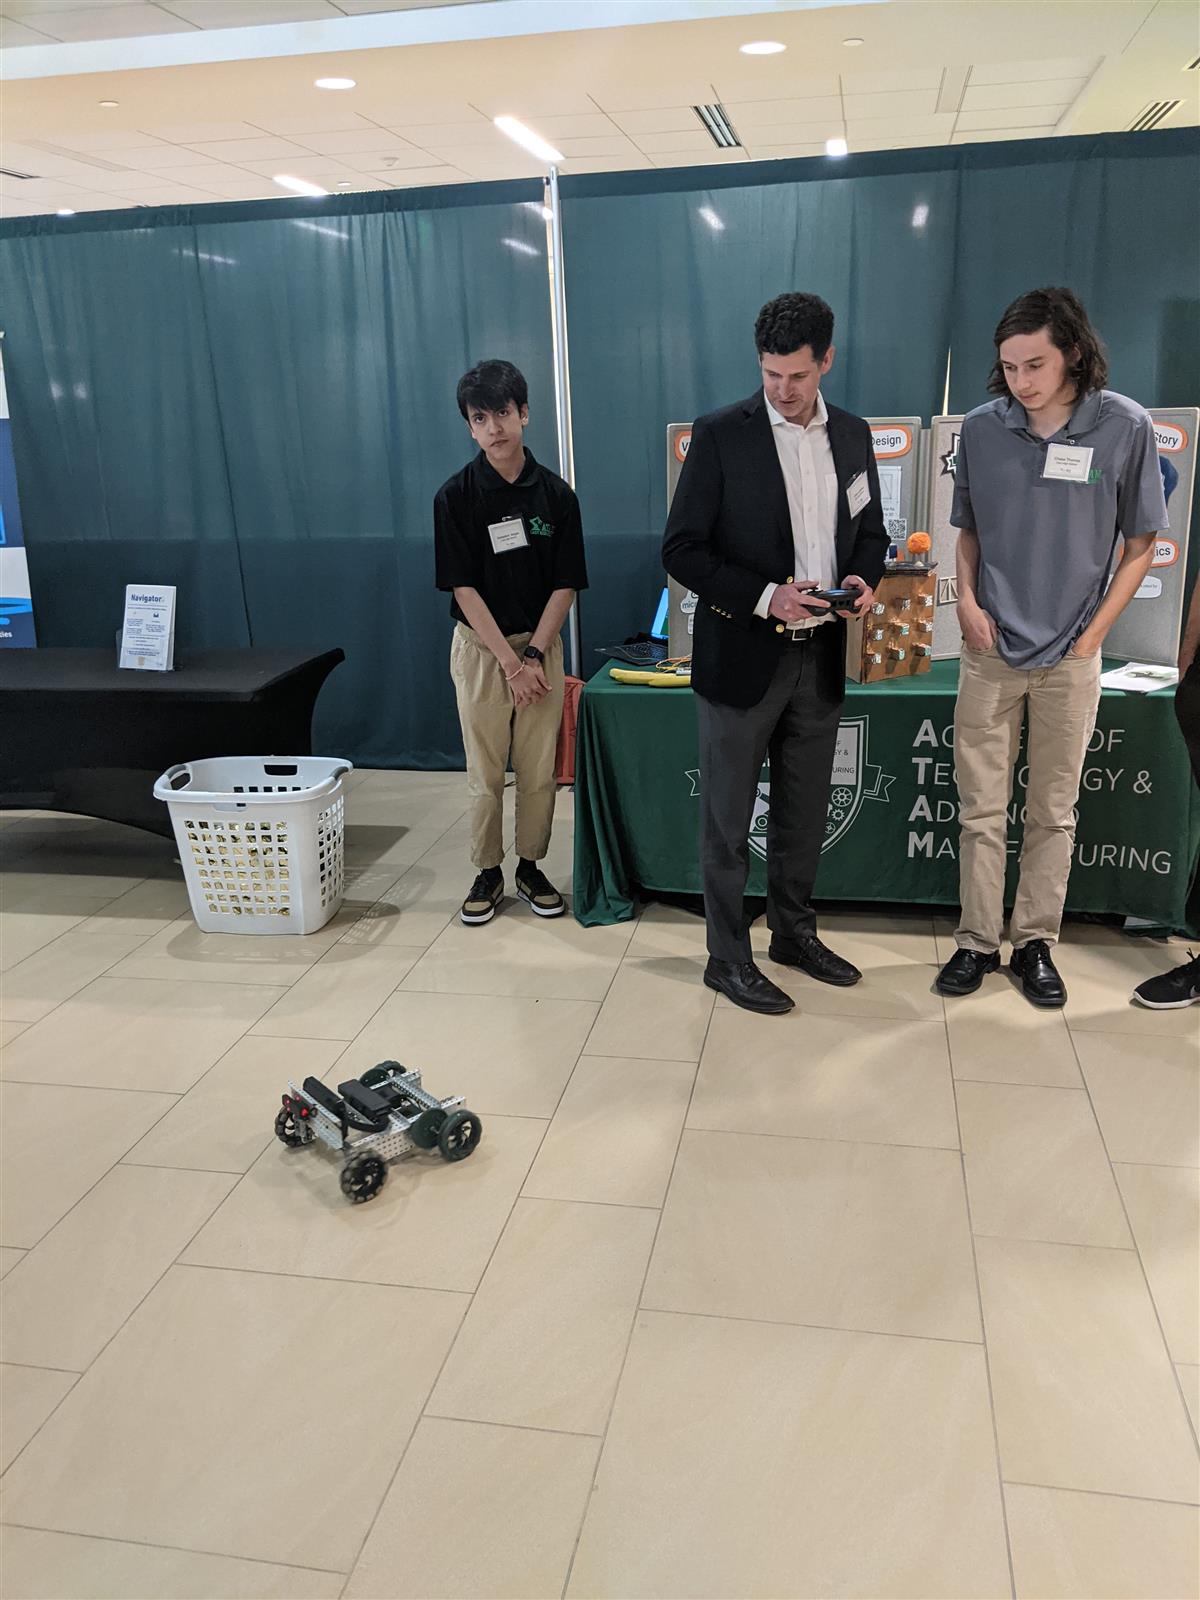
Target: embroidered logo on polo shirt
[[540, 529]]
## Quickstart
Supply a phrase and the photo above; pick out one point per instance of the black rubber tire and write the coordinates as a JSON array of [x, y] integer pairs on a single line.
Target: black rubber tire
[[363, 1177], [458, 1135], [374, 1076], [291, 1132]]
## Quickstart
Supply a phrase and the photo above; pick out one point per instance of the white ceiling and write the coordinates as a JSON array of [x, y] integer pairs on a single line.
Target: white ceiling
[[612, 98]]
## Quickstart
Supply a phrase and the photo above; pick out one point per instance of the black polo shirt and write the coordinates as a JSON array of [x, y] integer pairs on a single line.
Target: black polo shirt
[[516, 583]]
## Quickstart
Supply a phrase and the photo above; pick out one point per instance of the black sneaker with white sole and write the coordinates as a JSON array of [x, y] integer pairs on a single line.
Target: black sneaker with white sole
[[1170, 990], [484, 899], [535, 888]]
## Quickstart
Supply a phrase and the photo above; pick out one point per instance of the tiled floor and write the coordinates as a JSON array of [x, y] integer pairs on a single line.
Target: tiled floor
[[885, 1298]]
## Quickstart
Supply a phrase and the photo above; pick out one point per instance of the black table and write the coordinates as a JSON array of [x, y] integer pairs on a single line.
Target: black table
[[78, 733]]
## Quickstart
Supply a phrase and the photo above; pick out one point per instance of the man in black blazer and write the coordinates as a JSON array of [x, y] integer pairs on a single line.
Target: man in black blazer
[[779, 495]]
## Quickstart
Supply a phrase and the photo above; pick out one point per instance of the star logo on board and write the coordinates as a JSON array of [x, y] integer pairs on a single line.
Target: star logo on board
[[950, 459]]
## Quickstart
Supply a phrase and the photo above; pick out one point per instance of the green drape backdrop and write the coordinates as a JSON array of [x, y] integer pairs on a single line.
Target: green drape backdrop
[[256, 402], [918, 252]]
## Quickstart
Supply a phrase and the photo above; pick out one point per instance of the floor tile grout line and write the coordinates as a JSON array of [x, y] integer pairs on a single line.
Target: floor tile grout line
[[33, 1366], [319, 1277], [1137, 1251], [520, 1427], [813, 1327], [987, 1358], [637, 1308], [181, 1549], [1058, 1244], [1103, 1494], [99, 1088], [827, 1138]]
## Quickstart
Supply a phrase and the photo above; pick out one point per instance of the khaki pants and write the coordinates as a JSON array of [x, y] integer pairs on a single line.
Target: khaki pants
[[992, 701], [493, 730]]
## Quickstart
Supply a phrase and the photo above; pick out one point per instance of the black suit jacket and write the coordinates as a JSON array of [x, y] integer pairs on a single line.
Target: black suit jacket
[[729, 534]]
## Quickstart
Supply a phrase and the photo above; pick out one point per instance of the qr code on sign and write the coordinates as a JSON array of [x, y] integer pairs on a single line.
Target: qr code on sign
[[897, 529]]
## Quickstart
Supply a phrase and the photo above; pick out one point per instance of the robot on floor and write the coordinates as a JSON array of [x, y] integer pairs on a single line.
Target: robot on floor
[[383, 1116]]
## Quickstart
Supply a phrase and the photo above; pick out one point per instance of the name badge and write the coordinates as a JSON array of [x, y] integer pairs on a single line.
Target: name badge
[[508, 535], [1070, 463], [858, 492]]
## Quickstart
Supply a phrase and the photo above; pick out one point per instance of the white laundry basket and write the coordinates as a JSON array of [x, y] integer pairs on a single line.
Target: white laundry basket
[[260, 839]]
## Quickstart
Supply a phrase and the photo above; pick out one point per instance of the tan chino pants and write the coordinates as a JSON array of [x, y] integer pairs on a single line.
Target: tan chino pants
[[493, 729], [993, 698]]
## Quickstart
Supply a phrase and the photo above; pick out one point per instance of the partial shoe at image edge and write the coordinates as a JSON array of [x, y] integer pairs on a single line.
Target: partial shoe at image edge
[[1170, 991]]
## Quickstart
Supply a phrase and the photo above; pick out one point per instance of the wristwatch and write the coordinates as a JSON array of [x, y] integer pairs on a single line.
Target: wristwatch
[[532, 653]]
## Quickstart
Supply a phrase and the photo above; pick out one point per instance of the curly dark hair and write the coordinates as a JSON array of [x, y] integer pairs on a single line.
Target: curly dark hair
[[791, 321], [490, 385], [1061, 313]]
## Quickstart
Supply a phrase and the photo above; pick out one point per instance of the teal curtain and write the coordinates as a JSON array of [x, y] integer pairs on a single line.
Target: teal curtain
[[257, 405], [917, 252]]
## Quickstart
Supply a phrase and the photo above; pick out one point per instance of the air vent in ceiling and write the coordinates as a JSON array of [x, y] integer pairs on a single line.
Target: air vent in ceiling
[[720, 129], [8, 172], [1156, 112]]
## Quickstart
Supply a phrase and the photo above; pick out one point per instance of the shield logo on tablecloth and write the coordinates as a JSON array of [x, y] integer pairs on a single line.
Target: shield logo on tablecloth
[[851, 781]]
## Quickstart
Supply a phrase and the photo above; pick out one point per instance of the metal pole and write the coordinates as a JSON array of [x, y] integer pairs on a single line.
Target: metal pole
[[562, 385]]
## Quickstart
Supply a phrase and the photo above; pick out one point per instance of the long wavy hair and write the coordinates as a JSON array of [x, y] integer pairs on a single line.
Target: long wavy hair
[[1061, 313]]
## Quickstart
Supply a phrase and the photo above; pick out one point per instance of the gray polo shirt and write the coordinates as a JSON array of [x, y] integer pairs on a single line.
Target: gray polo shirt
[[1046, 545]]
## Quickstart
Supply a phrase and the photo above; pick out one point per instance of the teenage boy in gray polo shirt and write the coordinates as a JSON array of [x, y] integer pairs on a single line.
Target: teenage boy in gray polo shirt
[[1049, 477]]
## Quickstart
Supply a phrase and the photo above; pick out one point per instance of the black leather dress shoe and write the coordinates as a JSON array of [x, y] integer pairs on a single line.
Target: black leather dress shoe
[[1040, 979], [965, 971], [811, 956], [746, 986]]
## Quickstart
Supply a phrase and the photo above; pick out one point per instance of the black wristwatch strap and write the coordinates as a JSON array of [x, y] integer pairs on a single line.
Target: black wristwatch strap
[[532, 653]]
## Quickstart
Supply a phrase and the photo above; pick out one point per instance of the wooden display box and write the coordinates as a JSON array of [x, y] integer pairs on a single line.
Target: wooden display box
[[895, 638]]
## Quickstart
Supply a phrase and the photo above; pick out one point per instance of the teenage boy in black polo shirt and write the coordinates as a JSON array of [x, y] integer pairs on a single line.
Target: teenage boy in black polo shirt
[[509, 547]]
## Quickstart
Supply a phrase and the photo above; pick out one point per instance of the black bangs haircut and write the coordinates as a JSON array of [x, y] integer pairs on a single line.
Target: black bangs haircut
[[491, 386]]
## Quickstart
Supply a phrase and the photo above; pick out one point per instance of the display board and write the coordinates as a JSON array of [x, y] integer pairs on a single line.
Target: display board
[[1148, 628], [896, 441], [940, 459], [681, 602]]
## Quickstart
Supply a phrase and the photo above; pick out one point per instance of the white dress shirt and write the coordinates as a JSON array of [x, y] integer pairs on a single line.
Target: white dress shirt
[[810, 479]]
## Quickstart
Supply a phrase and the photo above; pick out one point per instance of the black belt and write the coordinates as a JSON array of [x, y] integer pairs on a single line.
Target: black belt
[[794, 636]]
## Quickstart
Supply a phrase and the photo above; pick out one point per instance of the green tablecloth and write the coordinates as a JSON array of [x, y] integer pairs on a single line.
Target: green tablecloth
[[892, 829]]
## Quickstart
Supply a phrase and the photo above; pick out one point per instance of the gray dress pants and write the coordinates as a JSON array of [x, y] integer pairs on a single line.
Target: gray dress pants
[[795, 724]]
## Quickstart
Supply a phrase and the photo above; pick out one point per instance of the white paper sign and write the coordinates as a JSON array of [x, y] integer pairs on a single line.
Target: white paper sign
[[148, 636]]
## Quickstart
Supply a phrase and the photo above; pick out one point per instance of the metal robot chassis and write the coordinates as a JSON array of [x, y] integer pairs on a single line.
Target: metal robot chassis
[[383, 1116]]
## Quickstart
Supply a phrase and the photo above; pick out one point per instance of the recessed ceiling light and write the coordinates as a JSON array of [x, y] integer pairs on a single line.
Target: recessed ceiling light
[[333, 83], [853, 44], [65, 212], [298, 185], [528, 140], [345, 184], [833, 147], [110, 105], [762, 47]]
